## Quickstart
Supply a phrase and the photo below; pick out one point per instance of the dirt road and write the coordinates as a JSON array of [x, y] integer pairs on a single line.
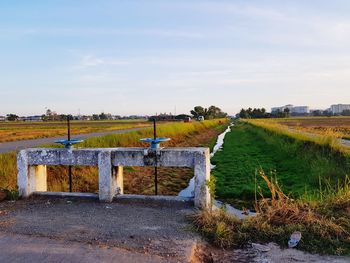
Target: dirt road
[[45, 227]]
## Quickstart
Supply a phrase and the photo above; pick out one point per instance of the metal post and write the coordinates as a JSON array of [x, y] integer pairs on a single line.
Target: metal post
[[156, 161], [69, 167]]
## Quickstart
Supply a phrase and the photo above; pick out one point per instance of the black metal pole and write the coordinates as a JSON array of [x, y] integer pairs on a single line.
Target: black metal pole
[[68, 127], [155, 157], [154, 129], [69, 167]]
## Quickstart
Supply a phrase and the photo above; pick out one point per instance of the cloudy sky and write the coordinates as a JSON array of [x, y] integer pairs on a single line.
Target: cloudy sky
[[146, 57]]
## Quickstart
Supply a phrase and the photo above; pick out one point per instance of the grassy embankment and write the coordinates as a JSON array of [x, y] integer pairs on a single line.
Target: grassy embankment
[[301, 164], [15, 131], [306, 188], [136, 180]]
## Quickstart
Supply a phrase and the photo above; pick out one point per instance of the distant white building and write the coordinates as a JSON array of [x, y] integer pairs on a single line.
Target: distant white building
[[2, 118], [292, 109], [300, 110], [339, 108], [32, 118], [281, 109]]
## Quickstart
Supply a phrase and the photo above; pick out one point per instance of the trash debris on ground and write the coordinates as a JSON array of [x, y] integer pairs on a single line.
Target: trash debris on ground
[[294, 239]]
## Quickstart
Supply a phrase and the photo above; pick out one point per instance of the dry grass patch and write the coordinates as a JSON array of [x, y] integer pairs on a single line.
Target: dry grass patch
[[325, 226]]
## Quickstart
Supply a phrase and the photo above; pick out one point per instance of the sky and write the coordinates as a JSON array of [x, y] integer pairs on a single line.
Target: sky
[[148, 57]]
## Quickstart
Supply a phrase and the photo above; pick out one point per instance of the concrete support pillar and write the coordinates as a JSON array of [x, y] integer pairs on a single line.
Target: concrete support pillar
[[30, 178], [202, 197], [119, 180], [23, 175], [106, 180], [38, 175]]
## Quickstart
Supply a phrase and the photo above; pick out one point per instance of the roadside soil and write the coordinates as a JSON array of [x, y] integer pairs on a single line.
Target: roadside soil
[[43, 229], [158, 229]]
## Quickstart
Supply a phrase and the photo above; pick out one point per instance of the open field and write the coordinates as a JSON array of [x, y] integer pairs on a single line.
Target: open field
[[301, 169], [339, 126], [336, 126], [136, 180], [328, 139], [295, 183], [14, 131]]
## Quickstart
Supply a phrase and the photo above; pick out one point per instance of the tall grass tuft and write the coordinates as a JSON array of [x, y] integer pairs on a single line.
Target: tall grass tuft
[[325, 226]]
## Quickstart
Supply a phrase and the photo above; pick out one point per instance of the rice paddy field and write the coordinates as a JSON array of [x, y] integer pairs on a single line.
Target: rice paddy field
[[136, 180], [14, 131], [338, 126]]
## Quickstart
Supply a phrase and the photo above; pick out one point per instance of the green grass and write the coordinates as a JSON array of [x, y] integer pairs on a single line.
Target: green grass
[[299, 166]]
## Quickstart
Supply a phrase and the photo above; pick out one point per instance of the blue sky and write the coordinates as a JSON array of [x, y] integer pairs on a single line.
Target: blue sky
[[146, 57]]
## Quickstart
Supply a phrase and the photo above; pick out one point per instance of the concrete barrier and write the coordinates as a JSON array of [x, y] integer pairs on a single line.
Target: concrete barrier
[[32, 175]]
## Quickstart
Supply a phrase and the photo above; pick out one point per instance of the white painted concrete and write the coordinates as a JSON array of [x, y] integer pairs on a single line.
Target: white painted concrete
[[110, 161]]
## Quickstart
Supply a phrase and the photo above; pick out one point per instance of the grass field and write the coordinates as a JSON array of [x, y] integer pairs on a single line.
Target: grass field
[[302, 169], [304, 182], [14, 131], [327, 139], [136, 180], [336, 126]]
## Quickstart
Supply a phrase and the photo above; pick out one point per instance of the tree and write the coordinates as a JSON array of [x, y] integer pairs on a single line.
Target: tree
[[199, 111], [215, 113], [243, 114], [212, 112], [253, 113], [12, 117], [103, 116]]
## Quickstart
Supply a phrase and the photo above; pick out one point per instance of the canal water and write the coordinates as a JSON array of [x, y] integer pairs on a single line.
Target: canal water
[[189, 190]]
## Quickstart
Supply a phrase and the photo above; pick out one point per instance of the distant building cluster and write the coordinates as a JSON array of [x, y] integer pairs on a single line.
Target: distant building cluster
[[298, 110], [339, 108], [335, 109]]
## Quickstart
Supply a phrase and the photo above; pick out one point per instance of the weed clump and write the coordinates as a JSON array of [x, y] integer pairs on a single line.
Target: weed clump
[[325, 226]]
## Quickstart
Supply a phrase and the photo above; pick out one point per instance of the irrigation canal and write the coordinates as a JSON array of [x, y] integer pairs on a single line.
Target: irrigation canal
[[23, 144]]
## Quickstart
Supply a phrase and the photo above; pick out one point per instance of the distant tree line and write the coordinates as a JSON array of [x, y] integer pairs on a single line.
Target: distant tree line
[[255, 113], [212, 112], [168, 117], [258, 113]]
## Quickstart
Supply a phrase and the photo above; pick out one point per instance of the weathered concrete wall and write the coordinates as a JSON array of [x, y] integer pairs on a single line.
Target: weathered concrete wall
[[110, 161]]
